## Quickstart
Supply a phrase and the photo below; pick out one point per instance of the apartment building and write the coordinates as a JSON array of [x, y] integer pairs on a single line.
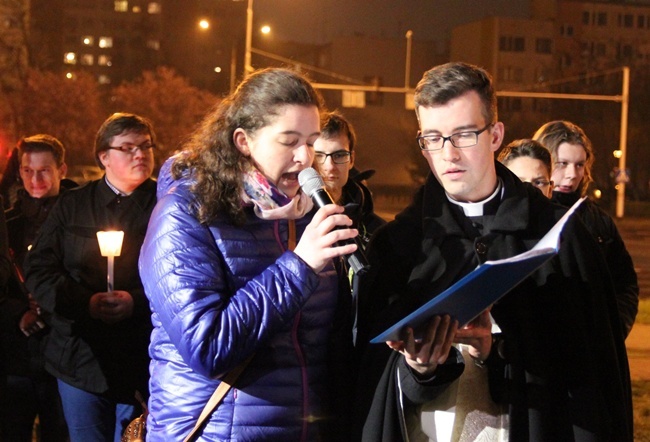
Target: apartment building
[[114, 40]]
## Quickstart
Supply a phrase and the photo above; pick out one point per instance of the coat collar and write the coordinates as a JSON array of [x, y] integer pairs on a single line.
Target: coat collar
[[141, 195], [438, 220]]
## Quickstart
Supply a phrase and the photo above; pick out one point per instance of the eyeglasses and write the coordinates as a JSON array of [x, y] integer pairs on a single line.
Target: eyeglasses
[[131, 149], [460, 140], [339, 157]]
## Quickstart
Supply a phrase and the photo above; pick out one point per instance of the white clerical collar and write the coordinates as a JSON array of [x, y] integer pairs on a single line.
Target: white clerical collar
[[476, 208]]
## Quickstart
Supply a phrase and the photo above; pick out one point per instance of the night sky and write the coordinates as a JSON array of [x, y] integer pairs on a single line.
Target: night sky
[[320, 21]]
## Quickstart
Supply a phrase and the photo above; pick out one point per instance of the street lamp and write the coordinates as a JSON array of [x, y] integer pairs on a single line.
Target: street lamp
[[407, 74], [266, 29], [249, 39]]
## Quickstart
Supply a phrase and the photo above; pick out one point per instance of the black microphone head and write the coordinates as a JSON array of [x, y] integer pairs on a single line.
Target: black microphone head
[[310, 181]]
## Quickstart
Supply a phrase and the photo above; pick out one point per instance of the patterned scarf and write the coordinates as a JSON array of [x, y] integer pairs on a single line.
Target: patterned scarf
[[269, 201]]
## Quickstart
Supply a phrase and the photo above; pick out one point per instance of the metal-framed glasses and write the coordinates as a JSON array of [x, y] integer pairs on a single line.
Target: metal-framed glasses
[[338, 157], [131, 149], [460, 140]]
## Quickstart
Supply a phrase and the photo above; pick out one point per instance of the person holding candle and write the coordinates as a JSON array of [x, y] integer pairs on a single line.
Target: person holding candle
[[98, 344]]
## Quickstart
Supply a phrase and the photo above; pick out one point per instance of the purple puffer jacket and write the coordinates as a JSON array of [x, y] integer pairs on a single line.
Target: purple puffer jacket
[[218, 295]]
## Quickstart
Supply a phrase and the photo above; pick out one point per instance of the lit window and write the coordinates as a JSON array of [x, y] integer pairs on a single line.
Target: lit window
[[105, 42], [121, 5], [70, 58], [137, 9], [87, 59], [88, 40], [154, 8], [153, 44], [104, 79], [104, 60]]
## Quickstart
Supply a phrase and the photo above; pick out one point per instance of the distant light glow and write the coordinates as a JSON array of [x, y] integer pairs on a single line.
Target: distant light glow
[[70, 58], [597, 194], [106, 42], [69, 75], [266, 29], [217, 69], [617, 153], [204, 24]]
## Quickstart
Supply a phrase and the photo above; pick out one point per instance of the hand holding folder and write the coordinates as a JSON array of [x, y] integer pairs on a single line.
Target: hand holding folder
[[482, 287]]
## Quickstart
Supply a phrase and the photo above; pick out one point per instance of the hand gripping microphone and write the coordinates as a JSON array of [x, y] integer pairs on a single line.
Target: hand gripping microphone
[[313, 186]]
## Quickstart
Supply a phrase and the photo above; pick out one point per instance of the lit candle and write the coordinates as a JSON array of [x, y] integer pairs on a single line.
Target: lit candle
[[110, 245]]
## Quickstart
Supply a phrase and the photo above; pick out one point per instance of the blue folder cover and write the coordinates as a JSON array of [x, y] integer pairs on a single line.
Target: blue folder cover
[[482, 287]]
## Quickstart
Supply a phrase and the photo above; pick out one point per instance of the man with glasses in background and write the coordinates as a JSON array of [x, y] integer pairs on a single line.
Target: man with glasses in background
[[334, 160], [98, 346], [547, 362]]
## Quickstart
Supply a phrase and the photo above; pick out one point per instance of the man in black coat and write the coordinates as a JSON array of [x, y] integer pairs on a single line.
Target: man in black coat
[[98, 344], [555, 368], [23, 335]]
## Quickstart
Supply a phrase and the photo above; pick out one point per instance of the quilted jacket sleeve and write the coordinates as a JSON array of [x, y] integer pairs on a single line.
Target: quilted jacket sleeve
[[213, 325]]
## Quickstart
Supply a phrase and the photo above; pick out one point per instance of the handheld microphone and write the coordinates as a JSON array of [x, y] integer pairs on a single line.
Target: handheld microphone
[[314, 187]]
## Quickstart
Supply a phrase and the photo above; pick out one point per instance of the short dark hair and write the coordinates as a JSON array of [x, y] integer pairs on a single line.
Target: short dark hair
[[335, 124], [42, 143], [445, 82], [117, 124], [526, 148]]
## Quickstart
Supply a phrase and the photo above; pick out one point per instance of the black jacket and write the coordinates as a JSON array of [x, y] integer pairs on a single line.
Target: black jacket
[[360, 208], [65, 268], [618, 259], [24, 355], [562, 372]]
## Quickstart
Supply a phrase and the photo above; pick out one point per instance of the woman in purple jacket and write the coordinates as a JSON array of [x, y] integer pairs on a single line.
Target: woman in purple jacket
[[226, 284]]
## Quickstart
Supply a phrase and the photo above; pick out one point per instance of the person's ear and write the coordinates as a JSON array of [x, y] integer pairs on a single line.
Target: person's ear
[[351, 164], [497, 133], [63, 170], [241, 141], [103, 157]]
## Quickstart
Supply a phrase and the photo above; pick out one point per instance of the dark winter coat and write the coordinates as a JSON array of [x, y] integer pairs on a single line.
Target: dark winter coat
[[619, 261], [359, 206], [24, 355], [65, 268]]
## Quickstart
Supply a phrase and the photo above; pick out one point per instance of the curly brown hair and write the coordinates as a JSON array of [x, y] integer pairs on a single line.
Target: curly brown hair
[[211, 158]]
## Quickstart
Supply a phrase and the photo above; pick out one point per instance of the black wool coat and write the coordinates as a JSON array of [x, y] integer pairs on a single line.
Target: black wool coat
[[65, 268]]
